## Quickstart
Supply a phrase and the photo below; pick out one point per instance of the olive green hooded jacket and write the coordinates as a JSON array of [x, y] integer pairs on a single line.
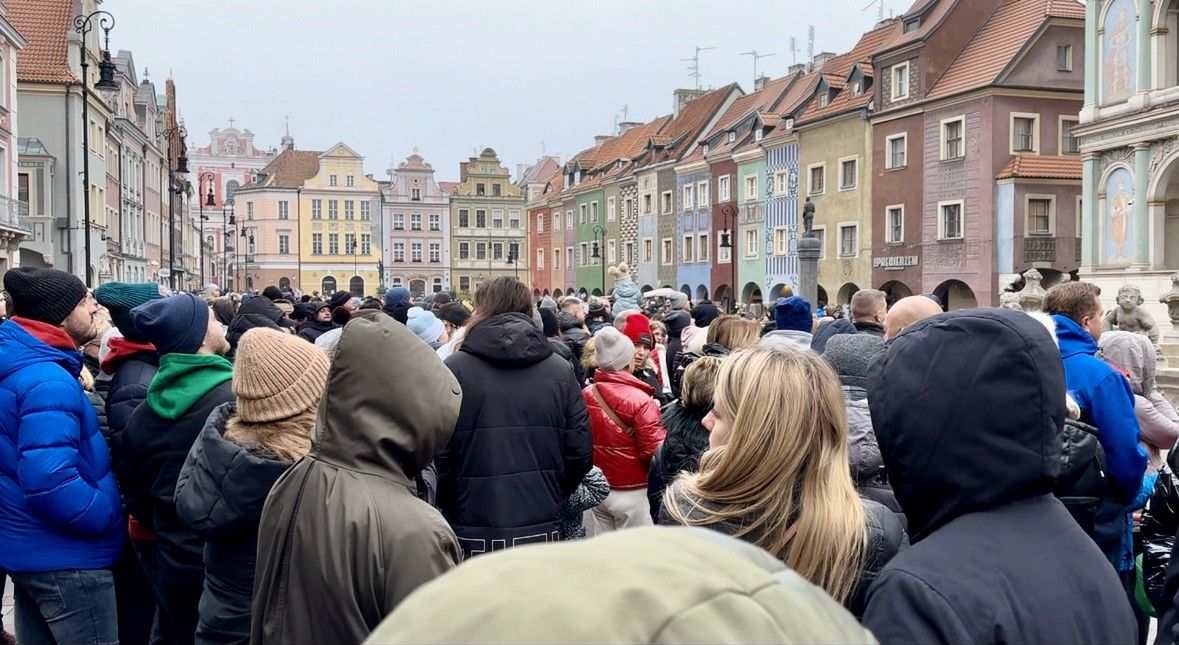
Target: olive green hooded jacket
[[343, 537]]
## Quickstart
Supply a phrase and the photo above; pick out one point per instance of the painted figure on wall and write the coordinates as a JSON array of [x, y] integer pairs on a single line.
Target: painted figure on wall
[[1119, 228], [1120, 52]]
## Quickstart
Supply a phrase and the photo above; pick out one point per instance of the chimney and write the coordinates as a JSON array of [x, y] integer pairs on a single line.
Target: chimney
[[796, 68], [683, 97], [821, 59], [463, 171], [760, 83], [626, 125], [519, 171], [600, 139]]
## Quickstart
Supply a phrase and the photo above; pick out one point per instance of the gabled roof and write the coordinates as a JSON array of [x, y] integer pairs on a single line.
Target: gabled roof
[[628, 145], [838, 70], [1008, 32], [290, 169], [540, 171], [44, 24], [796, 97], [933, 17], [1042, 166], [448, 187], [677, 138], [750, 105]]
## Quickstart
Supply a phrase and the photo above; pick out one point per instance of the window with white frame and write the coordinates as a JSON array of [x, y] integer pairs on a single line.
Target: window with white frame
[[284, 210], [593, 211], [464, 219], [647, 206], [665, 255], [365, 211], [949, 221], [648, 250], [894, 224], [750, 188], [540, 223], [722, 188], [568, 223], [569, 259], [284, 243], [435, 251], [556, 258], [317, 243], [896, 151], [540, 258], [849, 173], [689, 193], [480, 218], [464, 283], [703, 252], [816, 179], [848, 240], [331, 180], [366, 243], [1068, 141], [781, 182], [349, 181], [415, 251], [1040, 214], [611, 251], [611, 209], [749, 249], [628, 207], [628, 253], [1025, 133], [480, 250], [415, 222], [781, 241], [900, 81], [399, 220], [464, 249], [952, 138], [399, 251], [1064, 58], [583, 257], [349, 209], [686, 248], [582, 210], [435, 222], [497, 218], [665, 202], [557, 220], [702, 194]]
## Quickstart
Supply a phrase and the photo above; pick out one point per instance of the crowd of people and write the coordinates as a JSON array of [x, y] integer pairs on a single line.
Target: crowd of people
[[266, 468]]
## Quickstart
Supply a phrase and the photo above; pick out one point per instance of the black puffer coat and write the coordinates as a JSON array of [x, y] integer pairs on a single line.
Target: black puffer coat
[[313, 329], [128, 388], [220, 494], [574, 334], [522, 443], [687, 439]]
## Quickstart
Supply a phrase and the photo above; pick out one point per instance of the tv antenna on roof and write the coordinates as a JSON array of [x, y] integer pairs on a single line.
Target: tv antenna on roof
[[694, 68], [756, 57], [879, 9], [793, 50]]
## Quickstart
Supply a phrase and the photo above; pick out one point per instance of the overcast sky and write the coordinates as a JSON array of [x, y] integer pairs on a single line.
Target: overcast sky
[[452, 76]]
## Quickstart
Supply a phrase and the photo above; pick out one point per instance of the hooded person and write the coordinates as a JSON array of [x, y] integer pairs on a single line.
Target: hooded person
[[793, 323], [851, 355], [398, 304], [253, 313], [571, 325], [626, 293], [552, 332], [319, 323], [646, 367], [60, 513], [522, 442], [426, 326], [194, 379], [687, 438], [454, 317], [272, 293], [970, 479], [245, 446], [343, 537], [599, 314], [712, 589]]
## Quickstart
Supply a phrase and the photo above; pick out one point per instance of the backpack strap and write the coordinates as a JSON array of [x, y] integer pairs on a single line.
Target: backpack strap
[[609, 411]]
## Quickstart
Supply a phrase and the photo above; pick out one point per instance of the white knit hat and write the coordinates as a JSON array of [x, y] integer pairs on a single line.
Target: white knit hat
[[614, 351]]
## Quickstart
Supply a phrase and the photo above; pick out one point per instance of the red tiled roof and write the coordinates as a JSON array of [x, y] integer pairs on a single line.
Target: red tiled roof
[[290, 169], [449, 187], [1042, 167], [1000, 40], [928, 24], [845, 100], [44, 24], [762, 100], [686, 127]]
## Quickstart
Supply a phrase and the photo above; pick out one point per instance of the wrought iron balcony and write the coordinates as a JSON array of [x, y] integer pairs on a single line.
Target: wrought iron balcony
[[14, 215], [1039, 249]]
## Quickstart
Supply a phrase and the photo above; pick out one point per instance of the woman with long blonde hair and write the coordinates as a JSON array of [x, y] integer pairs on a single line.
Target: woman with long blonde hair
[[777, 472]]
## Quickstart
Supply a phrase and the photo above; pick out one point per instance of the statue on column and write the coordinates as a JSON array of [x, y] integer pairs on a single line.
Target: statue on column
[[1171, 299], [1010, 300], [808, 218], [1130, 316]]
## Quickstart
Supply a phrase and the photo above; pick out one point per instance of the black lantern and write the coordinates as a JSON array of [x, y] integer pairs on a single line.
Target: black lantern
[[725, 241], [209, 197], [596, 253], [106, 74], [182, 164]]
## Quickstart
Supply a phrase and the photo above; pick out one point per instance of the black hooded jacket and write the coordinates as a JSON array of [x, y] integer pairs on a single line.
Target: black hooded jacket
[[256, 312], [128, 388], [220, 494], [313, 329], [994, 556], [522, 443], [687, 439], [573, 333]]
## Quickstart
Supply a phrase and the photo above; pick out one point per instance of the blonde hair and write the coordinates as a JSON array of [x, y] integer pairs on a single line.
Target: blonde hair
[[288, 439], [699, 383], [782, 481], [734, 332]]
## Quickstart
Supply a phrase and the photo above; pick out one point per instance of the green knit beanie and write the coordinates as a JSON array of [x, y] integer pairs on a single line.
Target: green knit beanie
[[121, 297]]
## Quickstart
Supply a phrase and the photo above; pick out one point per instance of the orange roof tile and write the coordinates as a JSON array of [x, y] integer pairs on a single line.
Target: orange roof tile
[[1042, 167], [932, 19], [999, 41], [687, 126], [448, 187], [763, 100], [44, 24], [845, 100], [288, 170]]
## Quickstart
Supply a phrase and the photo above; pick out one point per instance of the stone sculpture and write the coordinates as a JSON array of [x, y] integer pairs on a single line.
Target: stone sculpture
[[1130, 316]]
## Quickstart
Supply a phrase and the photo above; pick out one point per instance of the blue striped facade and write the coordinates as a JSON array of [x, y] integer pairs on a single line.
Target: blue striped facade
[[693, 222], [781, 210]]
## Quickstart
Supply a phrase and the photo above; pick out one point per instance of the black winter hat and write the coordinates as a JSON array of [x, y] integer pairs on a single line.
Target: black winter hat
[[272, 293], [456, 314], [676, 322], [44, 295], [339, 298], [704, 313], [548, 319]]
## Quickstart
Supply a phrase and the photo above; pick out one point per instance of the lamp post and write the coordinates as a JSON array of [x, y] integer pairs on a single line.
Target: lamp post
[[246, 253], [355, 267], [227, 218], [106, 83], [600, 233], [207, 201], [181, 172], [514, 257], [729, 241]]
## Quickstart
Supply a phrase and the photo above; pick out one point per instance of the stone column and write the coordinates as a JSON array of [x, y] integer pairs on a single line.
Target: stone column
[[1144, 41], [1092, 61], [1141, 204], [1088, 232], [808, 269]]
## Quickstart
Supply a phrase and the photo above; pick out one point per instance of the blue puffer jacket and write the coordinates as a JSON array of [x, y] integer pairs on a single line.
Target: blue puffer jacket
[[59, 505], [1107, 403], [626, 296]]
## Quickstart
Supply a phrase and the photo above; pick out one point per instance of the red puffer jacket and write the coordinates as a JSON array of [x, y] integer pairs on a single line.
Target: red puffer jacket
[[624, 458]]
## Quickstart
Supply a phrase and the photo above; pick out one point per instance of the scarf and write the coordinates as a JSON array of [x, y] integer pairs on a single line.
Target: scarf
[[183, 379], [121, 349], [51, 335]]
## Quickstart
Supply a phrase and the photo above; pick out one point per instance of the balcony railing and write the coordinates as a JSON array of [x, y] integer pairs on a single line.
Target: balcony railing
[[14, 214], [1039, 249]]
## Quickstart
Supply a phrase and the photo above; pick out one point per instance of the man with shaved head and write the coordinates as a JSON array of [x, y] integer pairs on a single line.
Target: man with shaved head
[[907, 311], [868, 308]]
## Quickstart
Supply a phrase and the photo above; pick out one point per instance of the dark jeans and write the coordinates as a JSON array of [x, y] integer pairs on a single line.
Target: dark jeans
[[66, 607]]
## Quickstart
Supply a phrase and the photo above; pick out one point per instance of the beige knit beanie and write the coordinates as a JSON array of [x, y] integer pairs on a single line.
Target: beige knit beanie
[[277, 375]]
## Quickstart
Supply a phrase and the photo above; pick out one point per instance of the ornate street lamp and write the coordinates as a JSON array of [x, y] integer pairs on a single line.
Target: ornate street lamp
[[106, 84], [728, 241], [208, 201], [600, 233]]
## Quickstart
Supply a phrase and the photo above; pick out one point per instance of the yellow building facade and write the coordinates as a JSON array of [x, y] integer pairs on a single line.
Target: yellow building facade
[[340, 237]]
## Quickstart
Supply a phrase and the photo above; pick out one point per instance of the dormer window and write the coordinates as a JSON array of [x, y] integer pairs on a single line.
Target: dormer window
[[758, 134], [857, 88], [912, 24], [706, 148], [824, 99], [732, 136], [789, 124]]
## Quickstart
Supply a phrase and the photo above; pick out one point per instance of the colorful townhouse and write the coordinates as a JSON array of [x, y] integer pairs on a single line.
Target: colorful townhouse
[[977, 176], [415, 219], [535, 183], [489, 238], [338, 206]]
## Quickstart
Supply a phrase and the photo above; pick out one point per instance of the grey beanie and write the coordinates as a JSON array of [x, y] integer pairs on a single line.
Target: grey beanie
[[613, 349], [851, 355]]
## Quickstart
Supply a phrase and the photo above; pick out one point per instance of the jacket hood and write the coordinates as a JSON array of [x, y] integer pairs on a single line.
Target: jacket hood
[[934, 392], [266, 308], [511, 340], [711, 588], [567, 321], [367, 426], [787, 339], [1072, 338], [626, 288], [22, 349], [223, 485], [1133, 355]]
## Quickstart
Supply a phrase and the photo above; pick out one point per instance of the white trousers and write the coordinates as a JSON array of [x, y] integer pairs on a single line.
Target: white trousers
[[623, 509]]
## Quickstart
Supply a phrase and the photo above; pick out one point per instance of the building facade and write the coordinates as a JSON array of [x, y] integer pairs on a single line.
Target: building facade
[[416, 216], [486, 225]]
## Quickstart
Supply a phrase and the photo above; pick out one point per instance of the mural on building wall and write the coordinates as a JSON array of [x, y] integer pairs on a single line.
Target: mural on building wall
[[1119, 52], [1118, 239]]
